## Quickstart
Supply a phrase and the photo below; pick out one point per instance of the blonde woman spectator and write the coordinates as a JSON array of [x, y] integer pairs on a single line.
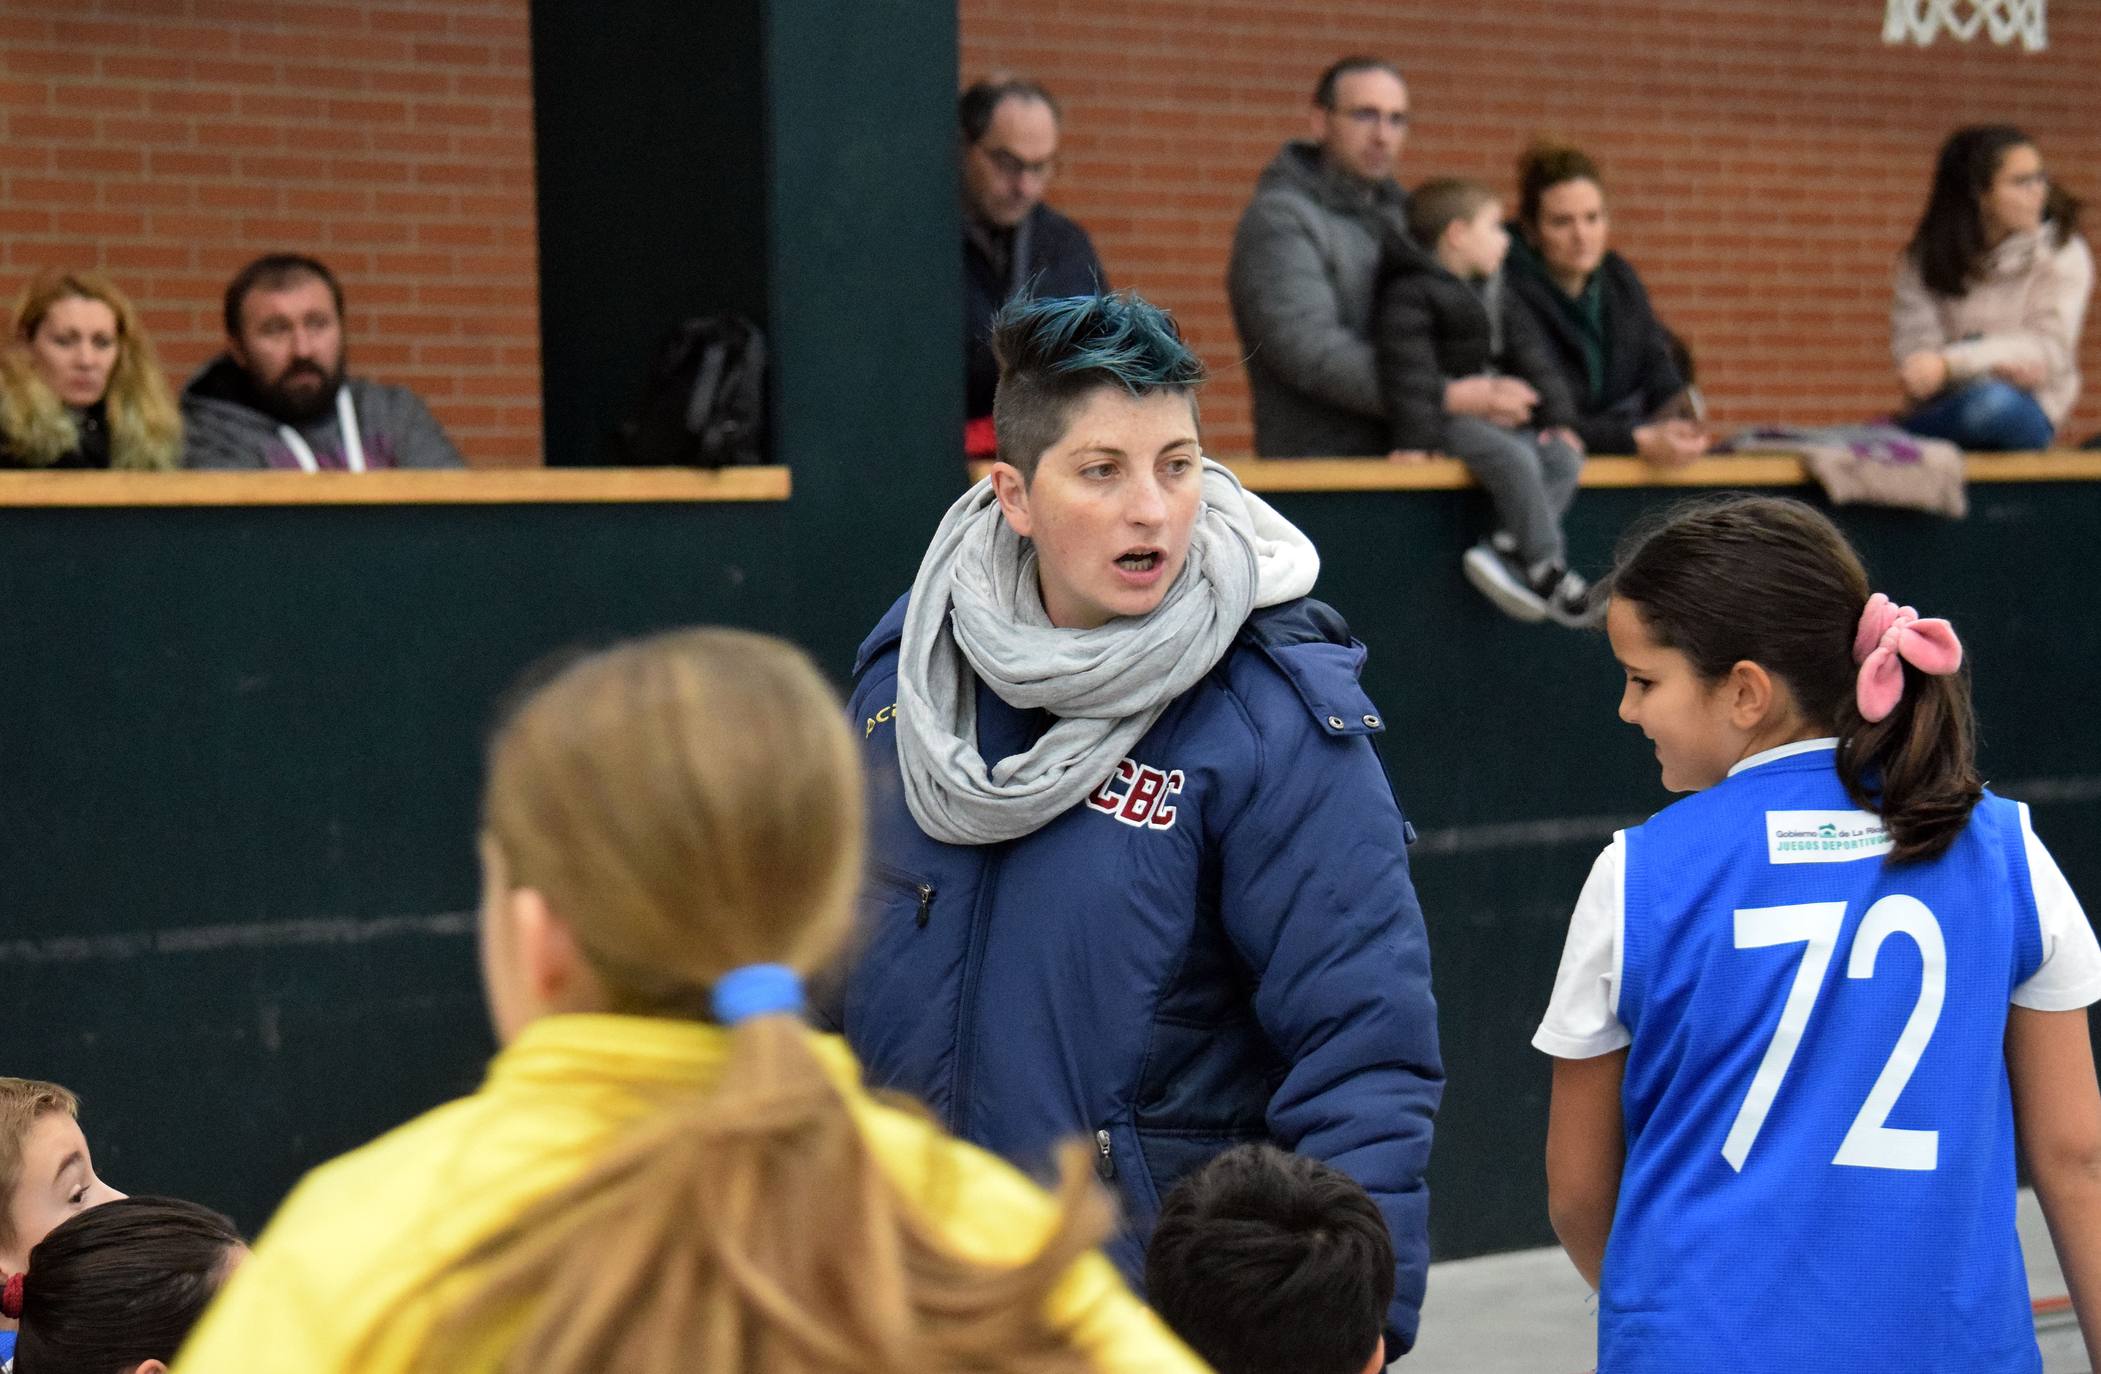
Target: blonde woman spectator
[[1991, 295], [82, 387]]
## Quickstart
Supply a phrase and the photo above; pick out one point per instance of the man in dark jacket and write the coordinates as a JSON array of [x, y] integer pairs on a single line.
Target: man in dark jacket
[[1012, 242], [1137, 875], [1305, 263]]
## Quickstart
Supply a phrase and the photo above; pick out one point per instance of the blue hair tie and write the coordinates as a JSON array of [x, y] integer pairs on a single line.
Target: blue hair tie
[[757, 990]]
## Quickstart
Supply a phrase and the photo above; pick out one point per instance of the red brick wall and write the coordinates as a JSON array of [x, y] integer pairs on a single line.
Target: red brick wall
[[1764, 161], [170, 141]]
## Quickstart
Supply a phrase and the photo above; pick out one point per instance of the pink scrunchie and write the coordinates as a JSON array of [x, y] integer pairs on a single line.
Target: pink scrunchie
[[1889, 632]]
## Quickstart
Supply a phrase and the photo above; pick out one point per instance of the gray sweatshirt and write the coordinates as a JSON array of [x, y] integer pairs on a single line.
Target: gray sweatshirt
[[224, 429]]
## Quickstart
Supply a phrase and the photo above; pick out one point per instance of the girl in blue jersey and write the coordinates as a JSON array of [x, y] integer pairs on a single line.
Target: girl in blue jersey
[[1804, 1014]]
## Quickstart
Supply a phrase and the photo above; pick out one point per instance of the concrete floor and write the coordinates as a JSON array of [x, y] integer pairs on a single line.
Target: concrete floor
[[1529, 1313]]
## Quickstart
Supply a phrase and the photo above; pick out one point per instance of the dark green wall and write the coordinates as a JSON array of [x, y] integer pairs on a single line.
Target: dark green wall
[[238, 778], [241, 768], [867, 297]]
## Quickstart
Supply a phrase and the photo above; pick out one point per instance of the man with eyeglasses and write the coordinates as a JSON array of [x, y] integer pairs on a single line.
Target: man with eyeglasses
[[1012, 241], [1305, 265]]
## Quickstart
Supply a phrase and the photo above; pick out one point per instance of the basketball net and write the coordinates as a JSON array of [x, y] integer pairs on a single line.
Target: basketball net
[[2004, 20]]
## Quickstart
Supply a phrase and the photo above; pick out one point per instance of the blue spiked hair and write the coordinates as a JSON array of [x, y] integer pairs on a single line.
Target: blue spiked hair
[[1052, 353]]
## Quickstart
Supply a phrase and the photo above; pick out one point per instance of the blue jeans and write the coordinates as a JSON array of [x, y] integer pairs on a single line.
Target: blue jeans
[[1988, 414]]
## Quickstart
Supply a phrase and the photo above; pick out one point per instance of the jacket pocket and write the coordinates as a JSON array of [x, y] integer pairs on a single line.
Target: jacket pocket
[[894, 909], [1171, 1155], [893, 888]]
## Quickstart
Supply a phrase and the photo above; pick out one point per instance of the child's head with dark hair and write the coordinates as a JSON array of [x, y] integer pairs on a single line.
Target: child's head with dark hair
[[1736, 619], [117, 1289], [1054, 353], [1272, 1263]]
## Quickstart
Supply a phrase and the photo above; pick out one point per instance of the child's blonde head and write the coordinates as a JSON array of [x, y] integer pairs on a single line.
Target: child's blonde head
[[23, 1102], [688, 805], [1437, 205]]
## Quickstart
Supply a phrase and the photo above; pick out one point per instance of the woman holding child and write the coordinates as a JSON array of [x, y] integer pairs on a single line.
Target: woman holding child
[[1991, 294], [82, 388]]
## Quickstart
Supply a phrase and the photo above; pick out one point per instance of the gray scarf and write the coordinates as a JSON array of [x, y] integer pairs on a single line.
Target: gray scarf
[[977, 613]]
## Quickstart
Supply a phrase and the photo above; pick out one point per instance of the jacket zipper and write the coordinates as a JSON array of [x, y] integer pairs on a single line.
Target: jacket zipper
[[926, 904], [1104, 1156], [967, 1004]]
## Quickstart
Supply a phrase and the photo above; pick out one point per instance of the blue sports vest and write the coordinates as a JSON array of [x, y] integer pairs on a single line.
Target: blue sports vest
[[1820, 1148]]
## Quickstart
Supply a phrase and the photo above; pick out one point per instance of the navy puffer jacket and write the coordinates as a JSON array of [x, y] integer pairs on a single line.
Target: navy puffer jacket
[[1222, 944]]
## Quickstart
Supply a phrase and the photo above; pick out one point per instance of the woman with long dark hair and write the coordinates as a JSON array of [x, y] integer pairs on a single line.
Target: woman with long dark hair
[[1991, 293]]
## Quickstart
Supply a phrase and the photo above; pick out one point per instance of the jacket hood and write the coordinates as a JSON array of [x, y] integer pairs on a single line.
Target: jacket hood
[[1298, 166], [222, 379], [1404, 257], [222, 398]]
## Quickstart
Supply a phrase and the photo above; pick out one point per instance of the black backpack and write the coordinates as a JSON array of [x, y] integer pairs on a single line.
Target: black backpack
[[704, 405]]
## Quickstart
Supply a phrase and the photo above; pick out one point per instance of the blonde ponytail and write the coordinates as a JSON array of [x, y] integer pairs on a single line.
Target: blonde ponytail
[[754, 1232], [690, 805]]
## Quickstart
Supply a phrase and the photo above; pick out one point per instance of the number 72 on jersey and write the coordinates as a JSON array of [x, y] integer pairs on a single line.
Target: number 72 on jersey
[[1869, 1144]]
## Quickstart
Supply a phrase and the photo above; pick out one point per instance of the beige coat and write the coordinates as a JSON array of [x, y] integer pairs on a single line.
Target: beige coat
[[2028, 309]]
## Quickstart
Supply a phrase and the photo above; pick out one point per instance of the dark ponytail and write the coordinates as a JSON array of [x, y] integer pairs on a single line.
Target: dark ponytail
[[1771, 581], [120, 1284]]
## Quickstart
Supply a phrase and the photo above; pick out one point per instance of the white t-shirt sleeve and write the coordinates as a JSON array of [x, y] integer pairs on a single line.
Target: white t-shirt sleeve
[[1582, 1020], [2070, 975]]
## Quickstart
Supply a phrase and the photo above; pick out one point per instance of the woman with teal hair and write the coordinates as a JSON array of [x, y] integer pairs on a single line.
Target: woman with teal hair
[[1138, 876]]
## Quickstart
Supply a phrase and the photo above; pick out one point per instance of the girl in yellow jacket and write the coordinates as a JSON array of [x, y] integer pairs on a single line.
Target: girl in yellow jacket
[[664, 1169]]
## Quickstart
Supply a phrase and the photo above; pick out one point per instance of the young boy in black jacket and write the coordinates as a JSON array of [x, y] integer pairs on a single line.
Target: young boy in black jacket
[[1444, 316]]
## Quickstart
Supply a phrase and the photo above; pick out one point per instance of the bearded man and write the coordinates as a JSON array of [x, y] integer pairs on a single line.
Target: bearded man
[[278, 397]]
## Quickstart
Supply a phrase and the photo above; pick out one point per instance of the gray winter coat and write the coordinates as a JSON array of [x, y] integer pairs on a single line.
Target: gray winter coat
[[223, 428], [1303, 281]]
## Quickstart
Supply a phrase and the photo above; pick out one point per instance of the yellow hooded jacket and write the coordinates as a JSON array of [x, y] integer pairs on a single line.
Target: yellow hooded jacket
[[344, 1271]]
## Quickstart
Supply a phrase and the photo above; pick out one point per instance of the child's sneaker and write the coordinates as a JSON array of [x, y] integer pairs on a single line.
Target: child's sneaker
[[1572, 601], [1496, 572]]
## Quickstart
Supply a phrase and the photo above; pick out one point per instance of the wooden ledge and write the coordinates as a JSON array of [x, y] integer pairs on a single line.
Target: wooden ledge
[[456, 487], [1723, 470], [1448, 474]]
